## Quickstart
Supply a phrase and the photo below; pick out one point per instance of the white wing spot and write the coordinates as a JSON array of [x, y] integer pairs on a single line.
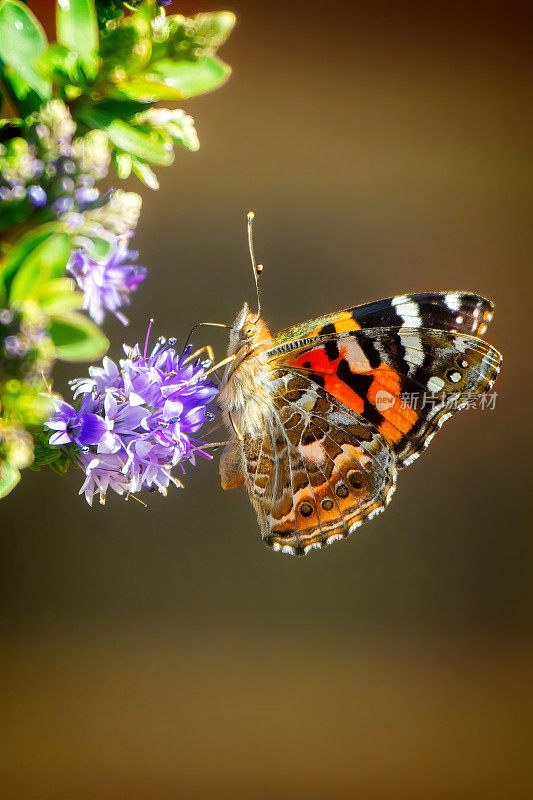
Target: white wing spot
[[414, 345], [453, 301], [409, 312], [435, 384]]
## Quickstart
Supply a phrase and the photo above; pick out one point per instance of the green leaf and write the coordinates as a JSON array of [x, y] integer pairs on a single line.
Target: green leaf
[[60, 467], [77, 29], [126, 47], [24, 99], [122, 164], [145, 13], [123, 109], [144, 90], [192, 78], [108, 10], [76, 338], [145, 173], [60, 64], [23, 248], [58, 296], [43, 455], [96, 247], [148, 145], [9, 477], [22, 40], [213, 28], [47, 261]]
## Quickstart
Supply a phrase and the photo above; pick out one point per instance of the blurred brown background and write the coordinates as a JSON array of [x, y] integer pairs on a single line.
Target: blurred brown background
[[164, 652]]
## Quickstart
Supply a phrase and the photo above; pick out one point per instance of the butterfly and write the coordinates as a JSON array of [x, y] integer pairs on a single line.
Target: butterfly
[[318, 411]]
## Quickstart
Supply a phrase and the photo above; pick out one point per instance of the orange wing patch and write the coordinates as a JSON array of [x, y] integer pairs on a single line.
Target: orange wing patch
[[343, 323], [385, 394], [347, 375]]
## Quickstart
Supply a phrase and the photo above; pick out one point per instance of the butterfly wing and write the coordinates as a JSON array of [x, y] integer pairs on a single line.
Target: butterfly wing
[[378, 372], [461, 311], [339, 423], [318, 472]]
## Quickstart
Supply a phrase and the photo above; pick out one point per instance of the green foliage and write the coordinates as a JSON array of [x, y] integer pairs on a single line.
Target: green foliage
[[24, 403], [76, 338], [61, 65], [143, 143], [182, 38], [15, 255], [108, 76], [57, 458], [191, 78], [22, 40], [107, 10], [47, 261], [146, 59], [81, 104], [127, 46], [9, 477], [77, 31], [55, 297]]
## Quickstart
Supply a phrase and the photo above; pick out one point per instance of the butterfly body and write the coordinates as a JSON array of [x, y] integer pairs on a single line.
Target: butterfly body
[[318, 410]]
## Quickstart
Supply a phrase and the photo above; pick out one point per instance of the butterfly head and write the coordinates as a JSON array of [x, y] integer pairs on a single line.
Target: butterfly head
[[248, 330]]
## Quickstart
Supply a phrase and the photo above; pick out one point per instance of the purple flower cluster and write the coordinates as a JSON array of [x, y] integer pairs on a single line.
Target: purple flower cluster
[[45, 167], [136, 420], [107, 284]]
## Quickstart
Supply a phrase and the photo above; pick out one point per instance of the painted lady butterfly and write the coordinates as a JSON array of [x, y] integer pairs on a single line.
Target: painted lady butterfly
[[318, 411]]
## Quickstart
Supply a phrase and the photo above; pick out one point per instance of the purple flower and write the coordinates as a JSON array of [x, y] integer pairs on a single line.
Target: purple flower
[[106, 285], [82, 427], [107, 376], [102, 473], [63, 205], [37, 196], [123, 421], [150, 408]]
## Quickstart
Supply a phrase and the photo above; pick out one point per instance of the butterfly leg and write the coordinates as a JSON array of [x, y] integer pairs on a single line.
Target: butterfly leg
[[214, 445], [206, 348], [222, 363], [210, 354]]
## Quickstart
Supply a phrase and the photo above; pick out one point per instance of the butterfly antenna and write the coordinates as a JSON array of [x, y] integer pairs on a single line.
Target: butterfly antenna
[[257, 268], [199, 325]]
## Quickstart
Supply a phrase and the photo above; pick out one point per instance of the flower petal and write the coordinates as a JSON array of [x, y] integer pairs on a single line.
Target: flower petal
[[171, 409], [93, 429], [56, 424], [59, 438]]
